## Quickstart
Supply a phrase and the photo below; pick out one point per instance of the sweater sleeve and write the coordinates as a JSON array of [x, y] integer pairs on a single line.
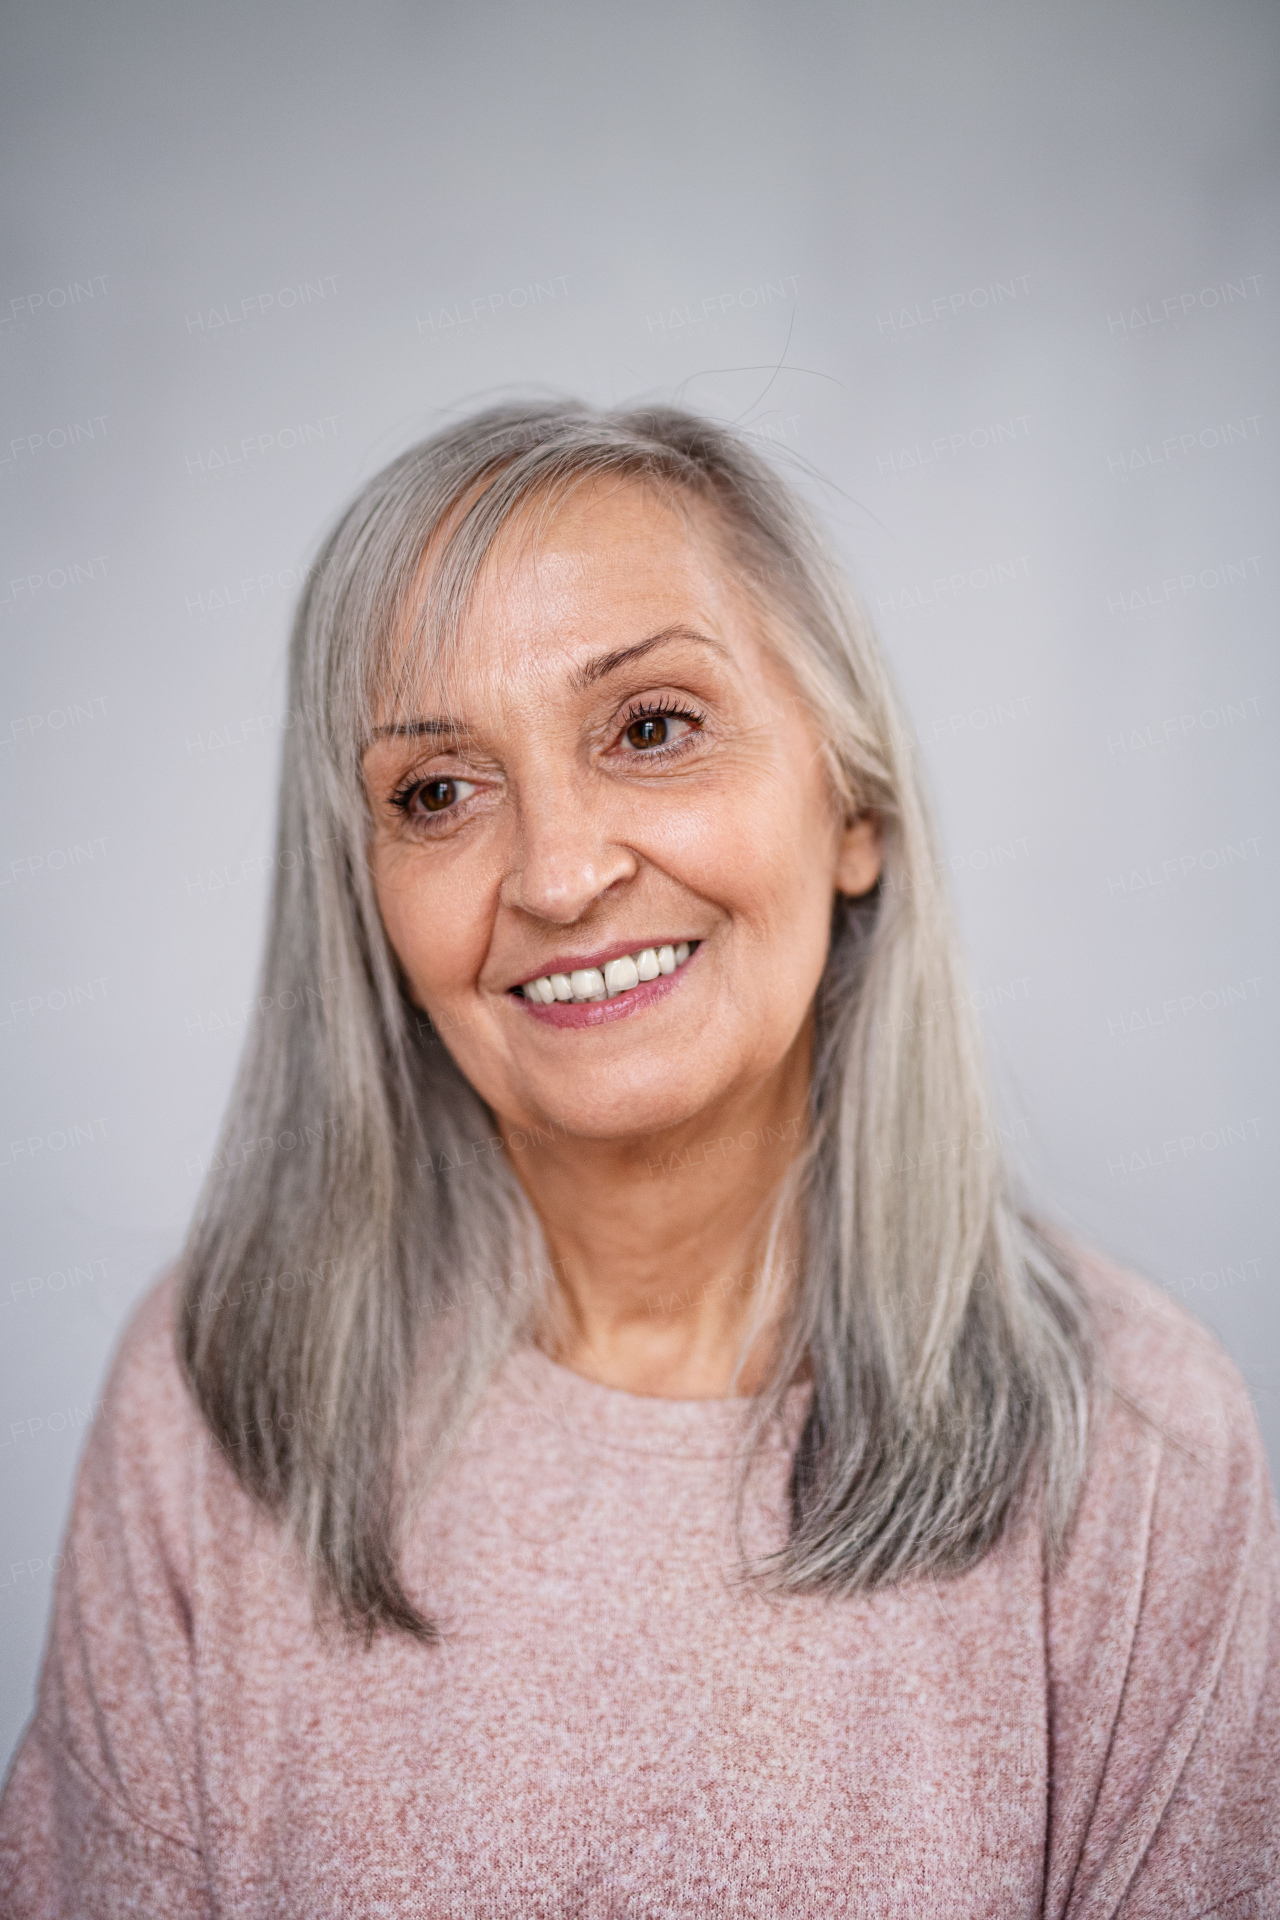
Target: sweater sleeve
[[1164, 1638], [99, 1812]]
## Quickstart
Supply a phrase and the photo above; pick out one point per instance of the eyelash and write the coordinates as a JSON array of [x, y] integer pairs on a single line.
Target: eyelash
[[664, 709], [402, 798]]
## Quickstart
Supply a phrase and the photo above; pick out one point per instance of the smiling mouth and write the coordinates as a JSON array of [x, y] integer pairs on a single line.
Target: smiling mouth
[[615, 979]]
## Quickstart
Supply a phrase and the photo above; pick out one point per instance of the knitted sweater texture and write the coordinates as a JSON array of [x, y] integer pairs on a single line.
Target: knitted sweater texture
[[615, 1723]]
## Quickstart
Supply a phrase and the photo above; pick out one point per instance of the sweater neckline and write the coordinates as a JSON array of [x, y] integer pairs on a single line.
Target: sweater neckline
[[647, 1423]]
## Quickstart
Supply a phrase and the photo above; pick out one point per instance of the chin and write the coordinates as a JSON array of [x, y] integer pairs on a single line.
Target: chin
[[622, 1113]]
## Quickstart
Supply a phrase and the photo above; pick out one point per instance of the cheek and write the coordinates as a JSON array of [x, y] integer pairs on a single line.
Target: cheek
[[763, 848], [435, 920]]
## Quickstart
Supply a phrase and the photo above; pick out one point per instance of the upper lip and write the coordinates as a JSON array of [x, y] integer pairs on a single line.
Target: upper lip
[[577, 962]]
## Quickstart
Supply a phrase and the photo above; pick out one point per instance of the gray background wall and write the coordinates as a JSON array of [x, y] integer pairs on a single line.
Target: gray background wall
[[999, 283]]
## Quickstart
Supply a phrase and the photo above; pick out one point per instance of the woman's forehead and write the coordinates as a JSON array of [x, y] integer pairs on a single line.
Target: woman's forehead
[[613, 563], [607, 534]]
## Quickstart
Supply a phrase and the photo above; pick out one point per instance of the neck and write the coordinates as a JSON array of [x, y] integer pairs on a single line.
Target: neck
[[659, 1243]]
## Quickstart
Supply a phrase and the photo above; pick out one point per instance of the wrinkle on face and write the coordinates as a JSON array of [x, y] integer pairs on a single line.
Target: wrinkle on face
[[741, 845]]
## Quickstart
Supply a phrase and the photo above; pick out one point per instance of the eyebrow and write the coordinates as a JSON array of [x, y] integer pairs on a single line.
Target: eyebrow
[[416, 729], [583, 677], [606, 663]]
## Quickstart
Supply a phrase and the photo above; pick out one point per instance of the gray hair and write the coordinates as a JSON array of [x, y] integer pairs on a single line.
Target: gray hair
[[338, 1293]]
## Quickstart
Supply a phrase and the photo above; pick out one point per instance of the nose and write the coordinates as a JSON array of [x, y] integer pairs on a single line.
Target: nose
[[565, 855]]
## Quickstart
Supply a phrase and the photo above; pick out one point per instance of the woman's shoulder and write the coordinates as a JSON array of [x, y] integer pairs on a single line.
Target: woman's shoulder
[[1163, 1617], [1162, 1366], [145, 1385], [1176, 1516], [150, 1433]]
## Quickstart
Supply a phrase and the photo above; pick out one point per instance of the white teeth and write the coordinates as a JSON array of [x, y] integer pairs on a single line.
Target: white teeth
[[621, 975], [618, 976]]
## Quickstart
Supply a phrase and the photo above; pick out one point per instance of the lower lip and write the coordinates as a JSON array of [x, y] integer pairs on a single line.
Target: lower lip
[[600, 1013]]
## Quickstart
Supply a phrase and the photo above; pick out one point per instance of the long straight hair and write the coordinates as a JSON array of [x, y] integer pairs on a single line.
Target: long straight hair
[[339, 1286]]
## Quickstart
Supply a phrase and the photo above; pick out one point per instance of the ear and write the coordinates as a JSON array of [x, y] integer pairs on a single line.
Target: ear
[[860, 855]]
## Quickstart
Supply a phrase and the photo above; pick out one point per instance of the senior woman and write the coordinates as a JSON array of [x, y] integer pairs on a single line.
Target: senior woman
[[613, 1446]]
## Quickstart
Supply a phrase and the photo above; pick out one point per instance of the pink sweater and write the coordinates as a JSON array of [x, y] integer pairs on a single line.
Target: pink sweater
[[615, 1726]]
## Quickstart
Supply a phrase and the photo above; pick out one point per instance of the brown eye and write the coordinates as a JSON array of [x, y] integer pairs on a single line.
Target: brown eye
[[649, 732], [437, 796]]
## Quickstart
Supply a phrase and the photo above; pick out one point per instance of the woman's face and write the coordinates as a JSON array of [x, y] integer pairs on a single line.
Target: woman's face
[[622, 769]]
